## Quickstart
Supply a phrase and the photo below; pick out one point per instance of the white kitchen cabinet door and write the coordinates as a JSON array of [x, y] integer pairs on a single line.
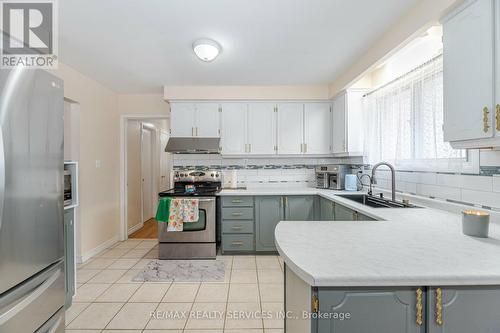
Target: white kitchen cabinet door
[[339, 119], [497, 66], [182, 122], [207, 120], [261, 129], [317, 128], [234, 128], [468, 72], [290, 128]]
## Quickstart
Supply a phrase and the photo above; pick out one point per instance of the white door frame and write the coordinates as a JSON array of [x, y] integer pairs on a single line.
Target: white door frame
[[123, 167], [152, 146]]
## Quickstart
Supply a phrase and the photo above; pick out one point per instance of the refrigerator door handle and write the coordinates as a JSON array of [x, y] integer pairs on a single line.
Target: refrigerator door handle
[[2, 177], [27, 300]]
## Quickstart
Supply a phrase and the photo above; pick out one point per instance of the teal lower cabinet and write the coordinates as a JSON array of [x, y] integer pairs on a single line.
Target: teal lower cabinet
[[463, 309], [370, 310], [237, 225], [299, 208], [363, 217], [268, 213], [343, 213], [326, 210]]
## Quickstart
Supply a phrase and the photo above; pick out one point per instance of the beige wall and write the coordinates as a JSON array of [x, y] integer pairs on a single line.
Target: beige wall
[[100, 110]]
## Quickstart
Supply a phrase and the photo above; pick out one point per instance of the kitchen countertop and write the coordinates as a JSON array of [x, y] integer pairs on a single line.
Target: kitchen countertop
[[406, 247]]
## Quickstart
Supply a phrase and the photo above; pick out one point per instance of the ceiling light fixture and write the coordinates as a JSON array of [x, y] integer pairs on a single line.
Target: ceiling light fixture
[[206, 49]]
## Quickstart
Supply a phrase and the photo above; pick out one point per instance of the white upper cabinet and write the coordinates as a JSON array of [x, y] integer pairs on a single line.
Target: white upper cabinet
[[290, 128], [339, 132], [497, 66], [317, 128], [469, 77], [195, 119], [261, 129], [207, 120], [182, 121], [234, 128], [347, 123]]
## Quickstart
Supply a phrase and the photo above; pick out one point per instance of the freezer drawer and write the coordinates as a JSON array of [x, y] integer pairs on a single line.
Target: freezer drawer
[[27, 307]]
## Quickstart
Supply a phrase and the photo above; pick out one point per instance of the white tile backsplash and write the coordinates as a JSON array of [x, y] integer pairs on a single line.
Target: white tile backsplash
[[489, 199]]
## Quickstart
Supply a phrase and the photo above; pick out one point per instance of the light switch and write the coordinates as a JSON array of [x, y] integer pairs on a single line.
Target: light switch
[[97, 164]]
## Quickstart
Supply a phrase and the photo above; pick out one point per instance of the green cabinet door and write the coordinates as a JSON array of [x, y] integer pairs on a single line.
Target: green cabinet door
[[327, 210], [299, 208], [343, 213], [370, 310], [69, 255], [268, 213], [464, 309]]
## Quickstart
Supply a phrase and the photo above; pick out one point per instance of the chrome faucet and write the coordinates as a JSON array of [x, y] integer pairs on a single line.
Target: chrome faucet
[[393, 176], [360, 178]]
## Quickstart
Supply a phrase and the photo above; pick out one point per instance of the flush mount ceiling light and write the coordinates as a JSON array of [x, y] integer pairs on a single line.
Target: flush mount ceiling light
[[206, 49]]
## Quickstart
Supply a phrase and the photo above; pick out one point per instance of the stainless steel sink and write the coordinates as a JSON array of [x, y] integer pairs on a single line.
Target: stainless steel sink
[[376, 202]]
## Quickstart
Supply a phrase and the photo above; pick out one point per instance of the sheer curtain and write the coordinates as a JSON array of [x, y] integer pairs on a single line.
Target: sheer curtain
[[403, 121]]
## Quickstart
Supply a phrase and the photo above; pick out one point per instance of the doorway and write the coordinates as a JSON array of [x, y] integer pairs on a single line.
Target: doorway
[[145, 172]]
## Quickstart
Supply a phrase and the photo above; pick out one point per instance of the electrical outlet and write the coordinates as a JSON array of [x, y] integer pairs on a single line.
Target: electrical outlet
[[97, 164]]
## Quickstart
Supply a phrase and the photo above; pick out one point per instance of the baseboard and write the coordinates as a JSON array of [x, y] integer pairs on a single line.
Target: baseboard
[[136, 227], [98, 249]]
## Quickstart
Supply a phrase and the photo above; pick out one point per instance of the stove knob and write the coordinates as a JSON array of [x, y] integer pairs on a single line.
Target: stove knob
[[212, 175], [217, 175]]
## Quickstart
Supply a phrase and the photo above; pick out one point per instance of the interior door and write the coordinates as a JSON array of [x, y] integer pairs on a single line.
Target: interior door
[[147, 173], [290, 128], [182, 122], [207, 120], [339, 124], [234, 128], [261, 129], [317, 128], [468, 73], [31, 177], [164, 163]]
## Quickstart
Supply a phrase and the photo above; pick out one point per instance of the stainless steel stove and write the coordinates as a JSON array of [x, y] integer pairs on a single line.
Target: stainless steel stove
[[198, 239]]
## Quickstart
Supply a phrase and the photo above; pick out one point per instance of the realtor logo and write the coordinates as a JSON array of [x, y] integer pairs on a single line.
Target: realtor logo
[[28, 33]]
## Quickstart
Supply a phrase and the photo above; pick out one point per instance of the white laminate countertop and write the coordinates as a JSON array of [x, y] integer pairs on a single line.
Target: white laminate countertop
[[407, 247]]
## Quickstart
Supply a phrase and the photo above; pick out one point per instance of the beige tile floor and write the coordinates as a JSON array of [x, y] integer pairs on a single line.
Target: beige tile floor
[[108, 300]]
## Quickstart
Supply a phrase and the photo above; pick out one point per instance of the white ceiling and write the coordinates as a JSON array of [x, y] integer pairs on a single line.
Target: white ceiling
[[138, 46]]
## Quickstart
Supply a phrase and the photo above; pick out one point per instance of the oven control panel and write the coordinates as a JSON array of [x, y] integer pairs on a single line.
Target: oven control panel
[[197, 176]]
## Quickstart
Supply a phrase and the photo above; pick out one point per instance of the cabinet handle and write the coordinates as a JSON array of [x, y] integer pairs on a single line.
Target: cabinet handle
[[486, 125], [305, 147], [192, 131], [419, 307], [355, 216], [281, 202], [439, 306], [236, 201], [498, 117], [196, 131], [286, 201], [237, 214], [236, 227], [249, 147], [237, 243]]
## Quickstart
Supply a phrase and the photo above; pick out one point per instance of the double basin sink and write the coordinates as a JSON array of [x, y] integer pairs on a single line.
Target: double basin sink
[[376, 202]]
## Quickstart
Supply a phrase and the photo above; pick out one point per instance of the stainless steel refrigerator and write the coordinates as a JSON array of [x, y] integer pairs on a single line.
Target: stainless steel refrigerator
[[31, 202]]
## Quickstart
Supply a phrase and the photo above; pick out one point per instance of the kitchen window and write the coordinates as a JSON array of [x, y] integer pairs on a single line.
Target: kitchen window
[[404, 124]]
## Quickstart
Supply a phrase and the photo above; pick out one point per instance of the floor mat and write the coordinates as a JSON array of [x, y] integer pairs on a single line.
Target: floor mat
[[182, 271]]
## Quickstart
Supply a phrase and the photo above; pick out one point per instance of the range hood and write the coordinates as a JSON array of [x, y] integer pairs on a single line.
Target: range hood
[[193, 145]]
